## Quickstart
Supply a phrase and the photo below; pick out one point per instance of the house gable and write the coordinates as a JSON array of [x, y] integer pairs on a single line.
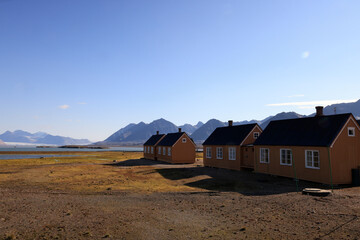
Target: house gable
[[249, 139], [351, 119], [187, 137]]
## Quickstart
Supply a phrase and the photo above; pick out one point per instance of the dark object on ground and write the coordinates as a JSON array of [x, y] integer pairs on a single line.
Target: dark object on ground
[[316, 192], [355, 173]]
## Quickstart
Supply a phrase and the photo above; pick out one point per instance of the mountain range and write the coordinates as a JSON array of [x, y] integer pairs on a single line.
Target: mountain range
[[137, 134], [134, 134], [20, 136]]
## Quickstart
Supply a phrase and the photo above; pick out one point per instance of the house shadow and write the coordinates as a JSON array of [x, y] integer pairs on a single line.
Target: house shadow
[[137, 162], [243, 182]]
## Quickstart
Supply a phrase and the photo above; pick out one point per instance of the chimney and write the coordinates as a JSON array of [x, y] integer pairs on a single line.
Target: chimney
[[157, 132], [319, 111], [230, 123], [179, 129]]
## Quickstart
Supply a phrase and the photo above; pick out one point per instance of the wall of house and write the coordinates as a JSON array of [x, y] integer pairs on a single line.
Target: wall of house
[[345, 154], [298, 168], [161, 156], [244, 154], [184, 152], [224, 162], [149, 155], [180, 152]]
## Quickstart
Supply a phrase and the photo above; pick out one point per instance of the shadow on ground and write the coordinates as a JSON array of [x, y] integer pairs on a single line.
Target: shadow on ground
[[223, 180], [137, 162], [244, 182]]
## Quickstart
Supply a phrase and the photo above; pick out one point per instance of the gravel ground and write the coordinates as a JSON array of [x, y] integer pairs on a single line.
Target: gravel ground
[[220, 204]]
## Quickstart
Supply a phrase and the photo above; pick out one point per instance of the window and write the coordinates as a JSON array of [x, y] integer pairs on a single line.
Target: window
[[219, 153], [169, 151], [351, 131], [184, 140], [256, 135], [285, 157], [208, 152], [312, 159], [264, 155], [232, 153], [144, 149], [164, 150], [159, 150], [152, 150], [148, 149]]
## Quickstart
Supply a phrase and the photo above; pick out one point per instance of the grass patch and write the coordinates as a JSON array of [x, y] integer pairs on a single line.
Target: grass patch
[[88, 173]]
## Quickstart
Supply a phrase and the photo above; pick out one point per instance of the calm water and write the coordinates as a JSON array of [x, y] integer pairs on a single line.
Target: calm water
[[23, 156], [34, 149]]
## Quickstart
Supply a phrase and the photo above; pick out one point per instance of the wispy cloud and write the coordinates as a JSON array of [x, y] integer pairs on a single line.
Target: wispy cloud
[[82, 103], [310, 103], [305, 54], [64, 106], [296, 95]]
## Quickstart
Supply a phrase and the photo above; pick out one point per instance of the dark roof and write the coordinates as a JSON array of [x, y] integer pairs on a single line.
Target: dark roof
[[170, 139], [310, 131], [153, 139], [358, 121], [233, 135]]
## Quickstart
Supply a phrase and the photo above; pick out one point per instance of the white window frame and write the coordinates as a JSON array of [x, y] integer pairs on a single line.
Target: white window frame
[[152, 150], [183, 140], [208, 152], [353, 131], [164, 150], [232, 153], [284, 161], [256, 133], [159, 150], [218, 155], [264, 155], [145, 149], [312, 159], [169, 151]]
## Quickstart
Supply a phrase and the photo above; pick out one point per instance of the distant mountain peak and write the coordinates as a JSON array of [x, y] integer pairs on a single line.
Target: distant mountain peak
[[160, 120], [40, 138], [139, 133]]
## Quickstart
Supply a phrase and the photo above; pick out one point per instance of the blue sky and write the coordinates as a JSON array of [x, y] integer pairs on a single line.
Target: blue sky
[[86, 68]]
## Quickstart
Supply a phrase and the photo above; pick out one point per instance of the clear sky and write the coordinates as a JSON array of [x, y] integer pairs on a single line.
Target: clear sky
[[86, 68]]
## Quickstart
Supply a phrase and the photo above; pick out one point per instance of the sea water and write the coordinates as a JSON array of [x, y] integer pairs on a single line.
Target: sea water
[[55, 149], [24, 156]]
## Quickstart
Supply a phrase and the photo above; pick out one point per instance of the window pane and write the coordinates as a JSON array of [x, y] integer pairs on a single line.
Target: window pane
[[309, 163], [316, 164]]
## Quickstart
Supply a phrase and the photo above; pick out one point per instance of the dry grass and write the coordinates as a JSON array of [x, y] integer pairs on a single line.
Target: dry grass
[[88, 172]]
